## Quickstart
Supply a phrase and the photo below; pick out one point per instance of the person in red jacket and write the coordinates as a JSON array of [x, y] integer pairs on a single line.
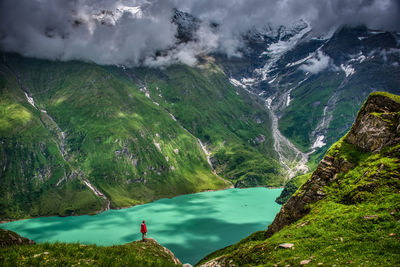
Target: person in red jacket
[[143, 230]]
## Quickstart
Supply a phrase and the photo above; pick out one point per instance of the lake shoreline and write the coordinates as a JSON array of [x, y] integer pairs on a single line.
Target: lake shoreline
[[191, 225], [3, 221]]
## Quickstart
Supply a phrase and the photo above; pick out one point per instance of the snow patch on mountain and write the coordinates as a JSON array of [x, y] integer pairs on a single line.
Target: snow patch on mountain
[[300, 61], [348, 69], [288, 99], [319, 142], [273, 80], [111, 17], [248, 81], [237, 83], [268, 102], [360, 58], [277, 49]]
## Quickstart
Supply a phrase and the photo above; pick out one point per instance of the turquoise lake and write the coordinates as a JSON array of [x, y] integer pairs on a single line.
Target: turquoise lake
[[192, 226]]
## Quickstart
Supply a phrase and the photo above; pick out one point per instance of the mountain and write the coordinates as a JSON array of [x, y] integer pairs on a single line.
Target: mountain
[[79, 138], [348, 211], [20, 251], [314, 86], [90, 137]]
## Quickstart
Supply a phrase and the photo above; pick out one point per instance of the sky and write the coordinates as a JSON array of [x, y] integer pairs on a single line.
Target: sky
[[141, 32]]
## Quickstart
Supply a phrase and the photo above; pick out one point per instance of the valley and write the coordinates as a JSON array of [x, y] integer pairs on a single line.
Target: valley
[[120, 142], [245, 133], [346, 212], [191, 226]]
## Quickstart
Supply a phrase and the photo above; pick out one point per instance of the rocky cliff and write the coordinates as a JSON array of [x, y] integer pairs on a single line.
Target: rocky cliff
[[348, 212], [9, 238], [376, 126]]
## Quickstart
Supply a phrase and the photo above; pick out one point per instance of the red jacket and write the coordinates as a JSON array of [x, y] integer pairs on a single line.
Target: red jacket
[[143, 228]]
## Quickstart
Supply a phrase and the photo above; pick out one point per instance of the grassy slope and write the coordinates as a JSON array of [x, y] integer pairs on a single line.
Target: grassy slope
[[205, 103], [60, 254], [112, 130], [336, 230], [29, 150], [300, 118], [110, 127], [306, 108]]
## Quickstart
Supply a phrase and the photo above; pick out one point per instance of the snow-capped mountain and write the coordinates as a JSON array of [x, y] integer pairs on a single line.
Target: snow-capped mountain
[[315, 85]]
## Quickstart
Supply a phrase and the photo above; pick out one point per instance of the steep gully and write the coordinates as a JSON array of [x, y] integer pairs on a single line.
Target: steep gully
[[60, 135], [202, 146], [290, 157]]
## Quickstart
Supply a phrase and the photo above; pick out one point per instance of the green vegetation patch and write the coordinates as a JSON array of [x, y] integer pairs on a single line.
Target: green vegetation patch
[[137, 253], [291, 187], [356, 223]]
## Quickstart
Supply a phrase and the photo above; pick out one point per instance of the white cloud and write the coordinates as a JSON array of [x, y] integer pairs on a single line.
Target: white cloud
[[317, 63], [133, 32]]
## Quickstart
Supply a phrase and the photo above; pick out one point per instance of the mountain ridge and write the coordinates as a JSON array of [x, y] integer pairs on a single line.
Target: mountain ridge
[[348, 211], [113, 141]]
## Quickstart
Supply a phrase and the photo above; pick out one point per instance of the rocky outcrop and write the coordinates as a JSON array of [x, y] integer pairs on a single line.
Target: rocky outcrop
[[310, 192], [9, 238], [377, 125], [152, 242]]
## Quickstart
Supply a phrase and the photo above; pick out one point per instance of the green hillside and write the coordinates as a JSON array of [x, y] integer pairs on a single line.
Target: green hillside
[[347, 212], [100, 127], [136, 253], [333, 95], [232, 124]]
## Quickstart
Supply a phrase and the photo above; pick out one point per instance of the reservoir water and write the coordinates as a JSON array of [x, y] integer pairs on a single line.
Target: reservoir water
[[192, 226]]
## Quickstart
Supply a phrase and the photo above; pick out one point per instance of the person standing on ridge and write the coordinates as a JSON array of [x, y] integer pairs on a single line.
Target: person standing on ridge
[[143, 230]]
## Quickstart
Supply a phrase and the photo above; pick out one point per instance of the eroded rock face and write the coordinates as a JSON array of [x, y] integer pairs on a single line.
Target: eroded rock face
[[9, 238], [376, 126], [310, 192]]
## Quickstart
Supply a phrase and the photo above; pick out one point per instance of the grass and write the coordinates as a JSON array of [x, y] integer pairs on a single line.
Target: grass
[[205, 103], [336, 230], [357, 223], [111, 129], [387, 94], [60, 254], [300, 118], [307, 107], [118, 139]]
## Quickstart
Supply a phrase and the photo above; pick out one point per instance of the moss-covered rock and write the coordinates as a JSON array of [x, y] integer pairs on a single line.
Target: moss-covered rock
[[10, 238]]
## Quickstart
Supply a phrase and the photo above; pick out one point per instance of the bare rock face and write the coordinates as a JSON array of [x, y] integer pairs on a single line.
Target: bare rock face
[[9, 238], [310, 192], [377, 125]]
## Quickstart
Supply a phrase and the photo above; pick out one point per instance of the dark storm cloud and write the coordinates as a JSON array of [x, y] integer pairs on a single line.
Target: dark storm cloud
[[238, 16], [105, 32], [131, 32]]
